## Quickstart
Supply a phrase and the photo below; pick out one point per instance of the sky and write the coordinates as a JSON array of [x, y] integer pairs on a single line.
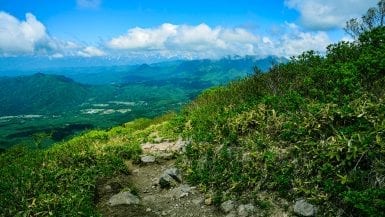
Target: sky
[[172, 29]]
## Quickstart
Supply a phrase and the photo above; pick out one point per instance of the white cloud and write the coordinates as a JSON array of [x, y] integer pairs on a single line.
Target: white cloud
[[293, 41], [186, 41], [328, 14], [90, 4], [139, 38], [20, 36], [91, 51], [30, 37], [203, 41]]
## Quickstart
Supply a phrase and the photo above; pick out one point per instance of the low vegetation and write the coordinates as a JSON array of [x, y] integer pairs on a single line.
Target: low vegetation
[[61, 180], [312, 128]]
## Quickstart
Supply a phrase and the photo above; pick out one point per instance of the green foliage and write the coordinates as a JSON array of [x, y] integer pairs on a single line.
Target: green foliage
[[313, 128], [61, 180], [369, 202]]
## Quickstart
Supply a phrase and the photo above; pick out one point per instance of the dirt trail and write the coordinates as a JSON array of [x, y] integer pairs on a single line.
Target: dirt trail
[[180, 201]]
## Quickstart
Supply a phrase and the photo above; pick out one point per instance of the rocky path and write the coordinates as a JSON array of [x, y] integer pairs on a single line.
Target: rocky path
[[158, 189], [155, 188]]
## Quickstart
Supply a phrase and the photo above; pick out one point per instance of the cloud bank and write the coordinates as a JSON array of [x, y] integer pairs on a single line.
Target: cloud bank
[[186, 41], [203, 41], [30, 37], [329, 14]]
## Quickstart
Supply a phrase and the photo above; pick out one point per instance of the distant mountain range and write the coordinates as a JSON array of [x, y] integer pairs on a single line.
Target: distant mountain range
[[101, 96], [60, 89], [115, 69]]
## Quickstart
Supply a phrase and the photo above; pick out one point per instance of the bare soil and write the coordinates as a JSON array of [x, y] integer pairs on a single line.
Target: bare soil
[[154, 200]]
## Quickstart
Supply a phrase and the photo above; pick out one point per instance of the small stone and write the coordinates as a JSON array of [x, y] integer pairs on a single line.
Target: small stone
[[198, 201], [208, 201], [183, 195], [164, 213], [227, 206], [147, 159], [123, 198], [245, 210], [108, 188], [148, 210], [303, 208]]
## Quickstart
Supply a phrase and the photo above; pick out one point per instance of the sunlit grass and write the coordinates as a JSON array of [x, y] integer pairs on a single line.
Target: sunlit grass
[[60, 180]]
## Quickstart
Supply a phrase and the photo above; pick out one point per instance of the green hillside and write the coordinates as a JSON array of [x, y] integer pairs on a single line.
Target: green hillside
[[40, 93], [312, 128], [102, 97]]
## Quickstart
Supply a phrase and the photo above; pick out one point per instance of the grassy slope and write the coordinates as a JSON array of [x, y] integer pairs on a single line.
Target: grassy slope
[[61, 180], [312, 128]]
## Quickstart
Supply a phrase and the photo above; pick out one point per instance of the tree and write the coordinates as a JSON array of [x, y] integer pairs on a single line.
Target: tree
[[374, 17]]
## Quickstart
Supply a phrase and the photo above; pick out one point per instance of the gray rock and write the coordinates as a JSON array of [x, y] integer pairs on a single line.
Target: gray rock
[[165, 156], [182, 191], [147, 159], [227, 206], [166, 181], [174, 173], [303, 208], [123, 198], [198, 201], [246, 210]]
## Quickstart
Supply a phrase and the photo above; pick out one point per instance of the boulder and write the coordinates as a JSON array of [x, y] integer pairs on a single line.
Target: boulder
[[303, 208], [123, 198]]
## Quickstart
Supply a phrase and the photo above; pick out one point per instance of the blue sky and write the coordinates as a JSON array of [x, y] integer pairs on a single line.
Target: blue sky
[[171, 28]]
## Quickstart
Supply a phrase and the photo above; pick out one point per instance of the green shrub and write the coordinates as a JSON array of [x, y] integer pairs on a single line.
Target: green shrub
[[312, 128]]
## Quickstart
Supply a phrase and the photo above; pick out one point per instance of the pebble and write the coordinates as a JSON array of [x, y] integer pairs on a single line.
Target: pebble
[[208, 201]]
